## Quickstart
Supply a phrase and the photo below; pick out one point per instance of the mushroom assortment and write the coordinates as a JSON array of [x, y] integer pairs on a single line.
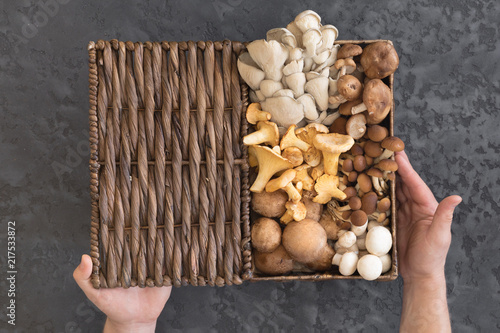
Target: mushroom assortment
[[322, 155]]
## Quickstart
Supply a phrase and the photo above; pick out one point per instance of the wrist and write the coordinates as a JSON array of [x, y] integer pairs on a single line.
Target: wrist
[[425, 282], [112, 326]]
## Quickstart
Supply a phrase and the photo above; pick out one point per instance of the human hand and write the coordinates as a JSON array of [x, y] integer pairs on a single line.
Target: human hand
[[129, 310], [423, 227]]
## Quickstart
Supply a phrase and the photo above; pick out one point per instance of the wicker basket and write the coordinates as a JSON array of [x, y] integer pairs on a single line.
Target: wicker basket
[[169, 173]]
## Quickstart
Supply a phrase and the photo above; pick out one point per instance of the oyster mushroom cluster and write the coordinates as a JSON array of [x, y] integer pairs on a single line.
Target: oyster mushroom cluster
[[291, 72]]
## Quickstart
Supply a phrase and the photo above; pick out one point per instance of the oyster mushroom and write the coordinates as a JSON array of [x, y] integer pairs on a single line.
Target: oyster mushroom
[[306, 20], [284, 110], [318, 88], [250, 71], [270, 56], [282, 35]]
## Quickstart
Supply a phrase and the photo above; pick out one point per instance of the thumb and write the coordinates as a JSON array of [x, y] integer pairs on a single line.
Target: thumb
[[441, 223], [82, 273]]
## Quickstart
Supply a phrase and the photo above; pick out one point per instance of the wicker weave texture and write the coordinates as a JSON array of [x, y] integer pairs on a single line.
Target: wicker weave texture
[[169, 178]]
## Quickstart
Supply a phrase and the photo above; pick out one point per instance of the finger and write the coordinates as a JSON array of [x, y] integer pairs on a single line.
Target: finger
[[420, 192], [440, 229], [82, 276], [399, 192]]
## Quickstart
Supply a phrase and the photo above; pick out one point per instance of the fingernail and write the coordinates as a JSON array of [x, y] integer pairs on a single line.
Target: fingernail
[[81, 263]]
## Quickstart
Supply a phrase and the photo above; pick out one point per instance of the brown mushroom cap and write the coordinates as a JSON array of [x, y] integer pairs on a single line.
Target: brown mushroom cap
[[355, 203], [330, 225], [377, 133], [356, 149], [374, 172], [353, 175], [345, 108], [364, 182], [377, 99], [266, 235], [387, 165], [270, 204], [373, 149], [350, 192], [358, 218], [379, 60], [277, 262], [349, 87], [391, 176], [356, 126], [347, 165], [393, 143], [338, 126], [324, 262], [349, 50], [313, 209], [384, 204], [369, 203], [359, 163], [304, 240]]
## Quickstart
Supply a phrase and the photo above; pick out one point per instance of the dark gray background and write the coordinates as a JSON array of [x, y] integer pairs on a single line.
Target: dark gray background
[[447, 103]]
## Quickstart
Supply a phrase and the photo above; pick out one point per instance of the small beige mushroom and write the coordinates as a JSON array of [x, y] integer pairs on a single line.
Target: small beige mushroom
[[318, 88], [269, 87], [296, 83], [310, 40], [306, 20], [356, 126], [328, 36], [310, 111], [282, 35], [294, 66]]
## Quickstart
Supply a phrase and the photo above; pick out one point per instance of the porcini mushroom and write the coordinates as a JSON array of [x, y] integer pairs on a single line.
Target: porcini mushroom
[[369, 267], [332, 145], [267, 132], [266, 234], [378, 241], [269, 163], [379, 60], [277, 262], [327, 188], [304, 240], [376, 100], [270, 204], [285, 182]]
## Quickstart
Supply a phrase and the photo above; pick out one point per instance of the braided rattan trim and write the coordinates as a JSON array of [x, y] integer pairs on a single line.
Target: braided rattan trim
[[169, 175]]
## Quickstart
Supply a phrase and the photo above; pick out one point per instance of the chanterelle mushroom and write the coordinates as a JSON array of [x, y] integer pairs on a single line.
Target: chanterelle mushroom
[[270, 56], [267, 132], [327, 188], [332, 145], [295, 211], [285, 182], [255, 114], [269, 163], [291, 140]]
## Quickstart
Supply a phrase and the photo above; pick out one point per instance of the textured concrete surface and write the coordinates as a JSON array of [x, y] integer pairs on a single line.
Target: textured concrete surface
[[447, 110]]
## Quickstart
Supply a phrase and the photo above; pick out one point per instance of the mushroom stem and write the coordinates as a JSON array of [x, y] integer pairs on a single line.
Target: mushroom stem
[[292, 192], [331, 163], [377, 186], [385, 155], [358, 108]]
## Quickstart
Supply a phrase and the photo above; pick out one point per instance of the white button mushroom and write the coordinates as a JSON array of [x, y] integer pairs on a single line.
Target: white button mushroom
[[386, 262], [348, 239], [348, 263], [369, 267], [378, 241]]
